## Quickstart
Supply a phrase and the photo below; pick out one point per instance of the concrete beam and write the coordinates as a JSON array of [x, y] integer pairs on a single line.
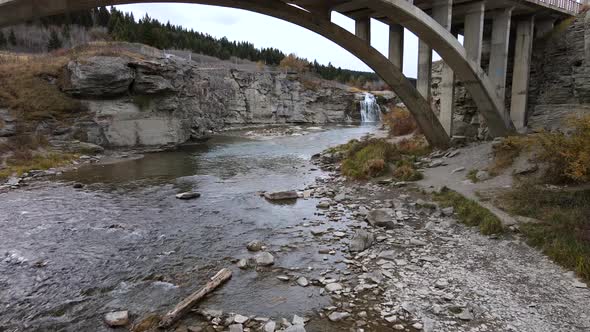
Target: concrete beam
[[474, 23], [522, 66], [499, 51], [362, 28], [396, 45]]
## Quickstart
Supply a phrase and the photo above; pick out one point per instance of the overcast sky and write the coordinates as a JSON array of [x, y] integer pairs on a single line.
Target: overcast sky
[[265, 31]]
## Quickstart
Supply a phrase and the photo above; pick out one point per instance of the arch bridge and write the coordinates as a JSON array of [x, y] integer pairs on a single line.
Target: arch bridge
[[437, 23]]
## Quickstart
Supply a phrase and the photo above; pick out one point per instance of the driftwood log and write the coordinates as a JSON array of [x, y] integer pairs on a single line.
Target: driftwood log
[[185, 306]]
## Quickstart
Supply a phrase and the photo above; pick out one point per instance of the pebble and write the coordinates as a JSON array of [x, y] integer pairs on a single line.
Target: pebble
[[236, 328], [255, 246], [188, 195], [283, 278]]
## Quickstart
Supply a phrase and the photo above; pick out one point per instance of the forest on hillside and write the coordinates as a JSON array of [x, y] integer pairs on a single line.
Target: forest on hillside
[[117, 25]]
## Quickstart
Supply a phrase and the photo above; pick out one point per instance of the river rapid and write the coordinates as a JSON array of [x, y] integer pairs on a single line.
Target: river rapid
[[124, 242]]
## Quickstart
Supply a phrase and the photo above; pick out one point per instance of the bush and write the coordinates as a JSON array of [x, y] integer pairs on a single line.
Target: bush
[[568, 155], [367, 158], [400, 122]]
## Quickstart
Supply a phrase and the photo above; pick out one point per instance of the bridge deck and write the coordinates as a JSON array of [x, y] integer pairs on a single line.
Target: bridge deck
[[554, 8]]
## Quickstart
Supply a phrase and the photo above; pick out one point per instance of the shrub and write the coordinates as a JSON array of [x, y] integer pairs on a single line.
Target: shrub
[[400, 122], [367, 158], [568, 155]]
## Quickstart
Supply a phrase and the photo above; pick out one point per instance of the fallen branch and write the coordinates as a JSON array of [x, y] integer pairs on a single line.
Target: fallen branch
[[185, 306]]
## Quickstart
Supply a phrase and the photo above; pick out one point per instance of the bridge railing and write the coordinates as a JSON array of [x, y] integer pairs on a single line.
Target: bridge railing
[[573, 6]]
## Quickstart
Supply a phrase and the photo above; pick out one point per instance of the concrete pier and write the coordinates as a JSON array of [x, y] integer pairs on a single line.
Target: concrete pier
[[522, 66], [499, 51]]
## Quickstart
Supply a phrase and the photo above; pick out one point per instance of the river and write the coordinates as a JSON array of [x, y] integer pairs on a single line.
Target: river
[[124, 242]]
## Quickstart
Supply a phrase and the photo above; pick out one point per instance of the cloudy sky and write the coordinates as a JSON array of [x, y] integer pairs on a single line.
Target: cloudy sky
[[264, 31]]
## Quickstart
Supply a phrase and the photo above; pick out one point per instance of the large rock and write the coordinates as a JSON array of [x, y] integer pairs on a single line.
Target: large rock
[[149, 79], [98, 77], [381, 218], [281, 195], [361, 241]]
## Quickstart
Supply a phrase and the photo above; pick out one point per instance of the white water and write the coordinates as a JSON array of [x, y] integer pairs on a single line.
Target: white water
[[370, 110]]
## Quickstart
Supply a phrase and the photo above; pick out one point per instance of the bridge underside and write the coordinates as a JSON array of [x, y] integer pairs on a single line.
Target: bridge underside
[[435, 22]]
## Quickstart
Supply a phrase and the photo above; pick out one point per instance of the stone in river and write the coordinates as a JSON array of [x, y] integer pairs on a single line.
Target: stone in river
[[264, 259], [239, 319], [283, 278], [118, 318], [254, 245], [338, 316], [333, 287], [303, 282], [323, 205], [243, 263], [188, 195], [361, 241], [281, 195]]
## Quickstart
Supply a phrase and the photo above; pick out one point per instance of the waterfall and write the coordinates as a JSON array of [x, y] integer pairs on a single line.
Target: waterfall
[[370, 110]]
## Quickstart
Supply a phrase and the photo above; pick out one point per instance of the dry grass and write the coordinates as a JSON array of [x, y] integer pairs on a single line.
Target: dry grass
[[567, 155], [377, 157], [470, 212], [30, 83], [564, 233], [26, 161], [400, 122]]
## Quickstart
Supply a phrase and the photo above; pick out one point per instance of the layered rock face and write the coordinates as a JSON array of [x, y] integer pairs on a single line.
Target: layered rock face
[[169, 100]]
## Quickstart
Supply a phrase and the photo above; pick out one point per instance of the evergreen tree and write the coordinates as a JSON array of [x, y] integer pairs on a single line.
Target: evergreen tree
[[12, 38], [3, 40], [54, 42]]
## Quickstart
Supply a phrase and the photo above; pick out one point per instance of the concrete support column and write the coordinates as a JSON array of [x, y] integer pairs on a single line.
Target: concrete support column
[[474, 22], [499, 51], [522, 67], [362, 29], [396, 45], [441, 12]]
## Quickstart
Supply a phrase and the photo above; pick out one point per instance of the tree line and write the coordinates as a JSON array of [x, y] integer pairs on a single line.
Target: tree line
[[123, 26]]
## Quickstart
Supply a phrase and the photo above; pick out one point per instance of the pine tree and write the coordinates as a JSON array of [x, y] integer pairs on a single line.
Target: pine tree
[[54, 42], [12, 38], [3, 40]]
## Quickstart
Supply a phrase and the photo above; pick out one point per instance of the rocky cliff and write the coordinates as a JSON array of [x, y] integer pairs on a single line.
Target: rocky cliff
[[164, 99]]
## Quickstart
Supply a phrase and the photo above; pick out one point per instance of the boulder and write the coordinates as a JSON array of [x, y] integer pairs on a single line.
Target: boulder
[[281, 195], [381, 218], [338, 316], [98, 77], [118, 318], [361, 241]]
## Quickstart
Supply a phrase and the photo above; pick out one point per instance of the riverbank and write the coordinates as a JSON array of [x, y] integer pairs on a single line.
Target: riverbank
[[372, 256]]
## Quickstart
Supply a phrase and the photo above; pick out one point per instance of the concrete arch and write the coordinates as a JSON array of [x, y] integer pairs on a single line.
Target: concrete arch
[[23, 10], [453, 53]]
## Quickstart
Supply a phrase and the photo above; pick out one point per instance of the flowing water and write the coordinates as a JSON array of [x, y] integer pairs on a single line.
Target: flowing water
[[370, 110], [67, 256]]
